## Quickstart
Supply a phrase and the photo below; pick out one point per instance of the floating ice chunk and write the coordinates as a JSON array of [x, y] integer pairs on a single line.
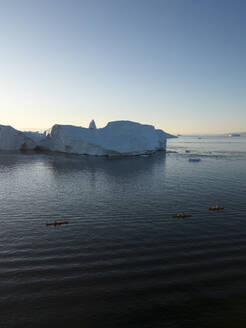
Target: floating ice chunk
[[194, 159]]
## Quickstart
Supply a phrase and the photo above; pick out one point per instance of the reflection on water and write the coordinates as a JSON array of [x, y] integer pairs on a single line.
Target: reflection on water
[[123, 261], [129, 166]]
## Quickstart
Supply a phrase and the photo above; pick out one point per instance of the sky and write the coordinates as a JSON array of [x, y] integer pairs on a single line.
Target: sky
[[177, 64]]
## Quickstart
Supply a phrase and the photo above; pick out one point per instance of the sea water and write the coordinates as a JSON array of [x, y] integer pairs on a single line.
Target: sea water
[[123, 260]]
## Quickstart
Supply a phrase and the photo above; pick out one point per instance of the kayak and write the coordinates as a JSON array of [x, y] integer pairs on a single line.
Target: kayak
[[56, 223], [216, 208], [182, 215]]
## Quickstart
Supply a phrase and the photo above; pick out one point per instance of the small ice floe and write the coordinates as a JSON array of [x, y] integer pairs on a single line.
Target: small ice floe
[[194, 159]]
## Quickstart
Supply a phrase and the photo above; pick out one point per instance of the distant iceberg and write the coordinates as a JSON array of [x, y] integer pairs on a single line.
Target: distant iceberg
[[116, 138], [234, 135]]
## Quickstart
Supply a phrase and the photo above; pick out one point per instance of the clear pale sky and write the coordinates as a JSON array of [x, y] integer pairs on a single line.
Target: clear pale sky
[[177, 64]]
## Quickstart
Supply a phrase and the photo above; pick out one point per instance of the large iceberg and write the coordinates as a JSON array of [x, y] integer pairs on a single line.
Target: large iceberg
[[116, 138], [12, 139], [35, 136]]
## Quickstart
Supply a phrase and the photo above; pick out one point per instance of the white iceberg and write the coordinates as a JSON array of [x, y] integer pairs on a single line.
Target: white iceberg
[[116, 138], [37, 137], [12, 139], [92, 125]]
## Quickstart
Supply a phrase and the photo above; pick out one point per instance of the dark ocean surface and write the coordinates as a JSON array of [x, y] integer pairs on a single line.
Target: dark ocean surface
[[123, 260]]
